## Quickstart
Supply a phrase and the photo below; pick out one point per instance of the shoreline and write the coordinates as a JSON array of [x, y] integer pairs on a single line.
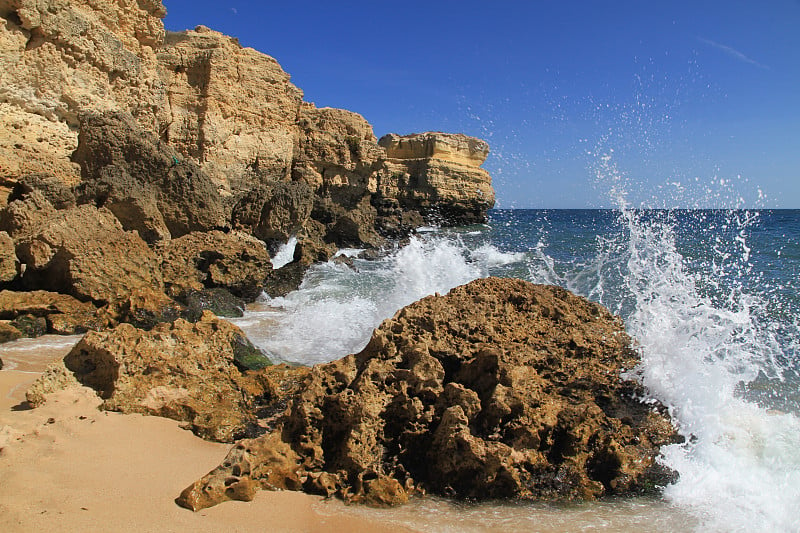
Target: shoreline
[[69, 465]]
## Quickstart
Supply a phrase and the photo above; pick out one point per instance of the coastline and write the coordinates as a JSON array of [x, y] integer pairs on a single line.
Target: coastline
[[68, 466]]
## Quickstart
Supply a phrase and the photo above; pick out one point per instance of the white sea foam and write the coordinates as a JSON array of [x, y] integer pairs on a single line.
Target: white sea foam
[[285, 254], [740, 469], [337, 307], [701, 334]]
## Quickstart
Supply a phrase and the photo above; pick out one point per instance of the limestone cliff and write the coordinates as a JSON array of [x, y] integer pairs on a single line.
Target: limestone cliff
[[181, 132]]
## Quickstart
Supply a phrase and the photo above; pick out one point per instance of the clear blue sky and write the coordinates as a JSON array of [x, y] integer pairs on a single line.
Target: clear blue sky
[[699, 101]]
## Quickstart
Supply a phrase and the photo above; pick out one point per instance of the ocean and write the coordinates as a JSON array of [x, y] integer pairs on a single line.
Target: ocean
[[710, 297]]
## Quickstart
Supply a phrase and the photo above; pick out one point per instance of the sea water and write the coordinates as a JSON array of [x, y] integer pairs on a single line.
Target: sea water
[[710, 297]]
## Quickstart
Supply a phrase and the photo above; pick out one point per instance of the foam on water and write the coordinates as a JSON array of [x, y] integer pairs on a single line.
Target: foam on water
[[740, 469], [285, 253], [337, 307], [703, 331]]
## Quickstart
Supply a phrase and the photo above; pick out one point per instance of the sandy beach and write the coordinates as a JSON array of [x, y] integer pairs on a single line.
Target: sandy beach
[[66, 466]]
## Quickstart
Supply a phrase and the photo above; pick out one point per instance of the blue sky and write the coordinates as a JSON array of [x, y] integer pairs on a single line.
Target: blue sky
[[698, 103]]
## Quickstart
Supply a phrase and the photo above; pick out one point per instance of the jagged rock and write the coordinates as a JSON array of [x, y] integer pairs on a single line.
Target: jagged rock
[[8, 332], [336, 151], [9, 264], [274, 212], [62, 314], [147, 307], [30, 326], [26, 215], [180, 370], [501, 389], [338, 156], [145, 182], [285, 279], [85, 252], [55, 378], [438, 175], [52, 188], [234, 261]]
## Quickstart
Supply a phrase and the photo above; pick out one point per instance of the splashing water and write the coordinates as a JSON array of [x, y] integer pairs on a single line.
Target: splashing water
[[704, 327], [717, 330]]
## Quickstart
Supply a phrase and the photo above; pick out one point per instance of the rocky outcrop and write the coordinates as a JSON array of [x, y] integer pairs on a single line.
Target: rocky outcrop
[[501, 389], [274, 212], [63, 57], [180, 370], [170, 130], [235, 261], [438, 175], [85, 252]]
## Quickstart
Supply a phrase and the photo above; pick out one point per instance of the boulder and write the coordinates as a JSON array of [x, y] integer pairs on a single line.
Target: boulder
[[50, 186], [26, 215], [146, 183], [217, 300], [234, 261], [438, 175], [147, 307], [501, 389], [191, 372], [85, 252], [55, 378]]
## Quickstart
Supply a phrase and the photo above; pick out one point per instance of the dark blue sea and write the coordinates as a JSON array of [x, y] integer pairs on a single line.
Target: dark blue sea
[[710, 297]]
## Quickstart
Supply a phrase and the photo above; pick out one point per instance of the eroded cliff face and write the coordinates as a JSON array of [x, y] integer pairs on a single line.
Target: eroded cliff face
[[231, 110], [189, 132]]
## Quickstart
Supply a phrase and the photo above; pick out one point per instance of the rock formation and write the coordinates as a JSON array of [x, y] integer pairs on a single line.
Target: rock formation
[[189, 372], [170, 130], [501, 389], [60, 313], [235, 261], [438, 175]]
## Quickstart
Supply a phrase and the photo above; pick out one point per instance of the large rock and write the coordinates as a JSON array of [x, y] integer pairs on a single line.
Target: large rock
[[180, 370], [439, 175], [274, 212], [61, 313], [501, 389], [26, 215], [337, 157], [235, 261], [145, 182], [85, 252]]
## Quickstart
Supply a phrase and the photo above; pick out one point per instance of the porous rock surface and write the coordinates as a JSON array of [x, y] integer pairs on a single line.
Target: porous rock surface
[[235, 261], [192, 372], [85, 252], [501, 389], [62, 314]]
